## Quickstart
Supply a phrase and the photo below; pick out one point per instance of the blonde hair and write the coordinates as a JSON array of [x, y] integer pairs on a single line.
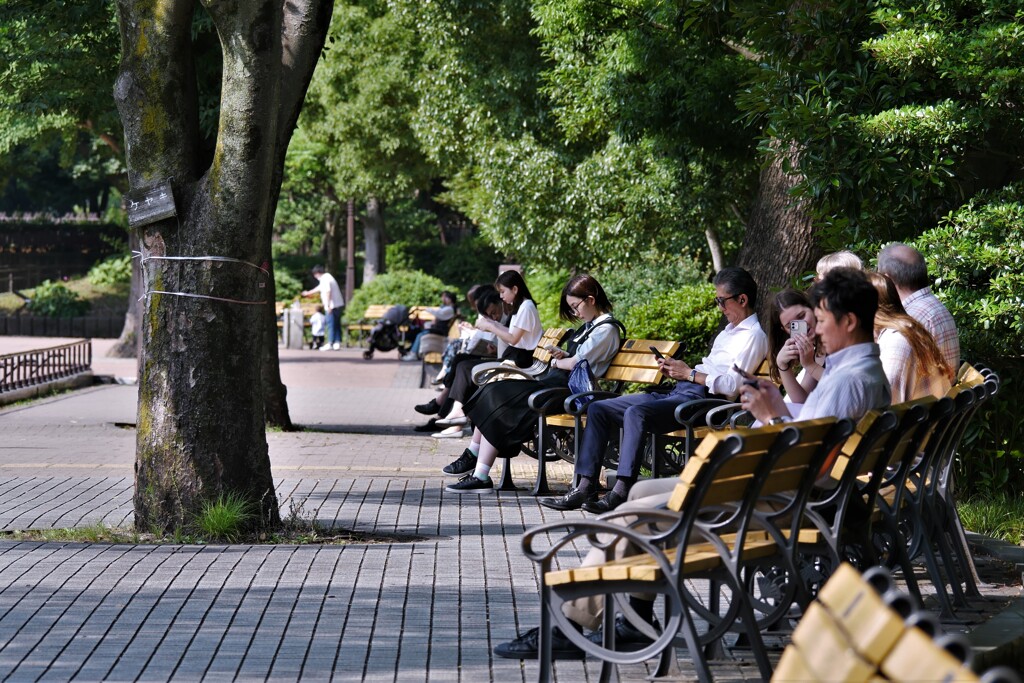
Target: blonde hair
[[892, 316], [839, 259]]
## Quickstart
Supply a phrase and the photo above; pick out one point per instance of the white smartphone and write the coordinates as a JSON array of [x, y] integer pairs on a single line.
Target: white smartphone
[[798, 327]]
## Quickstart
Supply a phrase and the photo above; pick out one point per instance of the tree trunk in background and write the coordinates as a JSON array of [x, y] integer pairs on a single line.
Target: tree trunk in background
[[129, 344], [715, 246], [374, 239], [332, 245], [778, 243], [207, 272]]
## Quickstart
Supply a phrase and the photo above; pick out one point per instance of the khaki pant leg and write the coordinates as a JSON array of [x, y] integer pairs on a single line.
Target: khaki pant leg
[[645, 495]]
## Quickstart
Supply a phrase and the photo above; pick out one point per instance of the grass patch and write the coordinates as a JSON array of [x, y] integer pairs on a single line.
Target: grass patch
[[295, 529], [103, 299], [225, 518], [1000, 517]]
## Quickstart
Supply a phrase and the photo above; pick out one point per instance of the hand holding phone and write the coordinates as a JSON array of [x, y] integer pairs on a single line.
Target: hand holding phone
[[657, 354], [747, 377]]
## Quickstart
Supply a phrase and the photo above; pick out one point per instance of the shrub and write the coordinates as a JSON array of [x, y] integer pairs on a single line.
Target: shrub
[[55, 300], [112, 271], [546, 288], [976, 256], [286, 285], [687, 314], [653, 275], [408, 287]]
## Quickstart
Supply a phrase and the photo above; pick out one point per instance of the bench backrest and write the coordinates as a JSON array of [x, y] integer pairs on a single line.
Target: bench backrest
[[376, 311], [737, 473], [552, 336], [852, 633], [636, 363]]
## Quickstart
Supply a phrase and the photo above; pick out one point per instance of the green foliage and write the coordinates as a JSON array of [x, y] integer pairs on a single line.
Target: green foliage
[[225, 518], [55, 300], [687, 314], [649, 277], [112, 271], [411, 288], [286, 285], [999, 516], [468, 262], [546, 288]]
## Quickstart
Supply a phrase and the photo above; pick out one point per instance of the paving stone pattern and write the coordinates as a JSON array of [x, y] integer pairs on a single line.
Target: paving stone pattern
[[429, 610]]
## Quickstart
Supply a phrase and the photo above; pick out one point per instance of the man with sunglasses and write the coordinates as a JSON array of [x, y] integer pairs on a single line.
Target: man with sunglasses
[[741, 344]]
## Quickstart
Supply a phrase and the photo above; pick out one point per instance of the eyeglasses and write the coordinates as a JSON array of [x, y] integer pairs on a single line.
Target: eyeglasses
[[576, 306], [720, 300]]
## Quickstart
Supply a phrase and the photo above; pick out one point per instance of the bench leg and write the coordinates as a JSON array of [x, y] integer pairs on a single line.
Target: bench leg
[[506, 483], [541, 487]]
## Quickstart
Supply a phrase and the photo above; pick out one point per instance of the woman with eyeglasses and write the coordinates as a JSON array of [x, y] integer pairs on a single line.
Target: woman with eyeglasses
[[499, 410], [741, 345]]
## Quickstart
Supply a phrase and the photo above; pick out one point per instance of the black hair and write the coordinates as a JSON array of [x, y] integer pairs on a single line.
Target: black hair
[[738, 281], [510, 279], [845, 290], [583, 286], [318, 270], [904, 265], [487, 296]]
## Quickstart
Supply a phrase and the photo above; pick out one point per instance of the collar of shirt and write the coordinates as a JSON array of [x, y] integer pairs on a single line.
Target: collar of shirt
[[745, 324], [919, 294], [850, 354]]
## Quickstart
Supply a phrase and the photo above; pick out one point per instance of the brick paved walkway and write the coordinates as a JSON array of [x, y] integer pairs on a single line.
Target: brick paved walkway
[[428, 610]]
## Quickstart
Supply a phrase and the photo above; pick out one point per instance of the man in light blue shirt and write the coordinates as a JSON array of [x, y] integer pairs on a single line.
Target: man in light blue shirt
[[854, 381]]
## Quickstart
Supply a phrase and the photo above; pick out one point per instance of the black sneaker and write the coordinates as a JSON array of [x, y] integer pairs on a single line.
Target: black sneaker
[[525, 646], [628, 638], [470, 484], [466, 463], [428, 408]]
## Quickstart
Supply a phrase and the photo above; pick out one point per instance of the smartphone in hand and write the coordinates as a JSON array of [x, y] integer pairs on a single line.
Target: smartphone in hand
[[798, 327], [747, 377], [657, 354]]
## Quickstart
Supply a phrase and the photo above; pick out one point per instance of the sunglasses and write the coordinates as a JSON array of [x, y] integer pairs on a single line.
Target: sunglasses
[[720, 300]]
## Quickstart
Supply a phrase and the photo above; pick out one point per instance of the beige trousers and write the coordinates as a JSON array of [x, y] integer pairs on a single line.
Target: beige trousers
[[645, 495]]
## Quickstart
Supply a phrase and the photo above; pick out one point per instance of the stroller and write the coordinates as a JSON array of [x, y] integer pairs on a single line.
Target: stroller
[[386, 334]]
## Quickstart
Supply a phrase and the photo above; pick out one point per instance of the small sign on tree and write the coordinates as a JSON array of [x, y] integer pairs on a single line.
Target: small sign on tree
[[150, 204]]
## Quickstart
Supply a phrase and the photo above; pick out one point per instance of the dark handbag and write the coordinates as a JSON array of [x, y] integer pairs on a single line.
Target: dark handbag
[[581, 381]]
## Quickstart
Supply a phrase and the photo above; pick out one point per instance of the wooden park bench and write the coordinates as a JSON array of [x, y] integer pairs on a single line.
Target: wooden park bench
[[728, 473], [862, 629], [560, 419], [361, 329]]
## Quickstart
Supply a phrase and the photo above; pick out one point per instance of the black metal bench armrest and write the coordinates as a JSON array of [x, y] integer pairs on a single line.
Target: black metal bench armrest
[[547, 400]]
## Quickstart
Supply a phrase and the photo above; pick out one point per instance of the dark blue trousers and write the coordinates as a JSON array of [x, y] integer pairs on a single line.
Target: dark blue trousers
[[635, 415]]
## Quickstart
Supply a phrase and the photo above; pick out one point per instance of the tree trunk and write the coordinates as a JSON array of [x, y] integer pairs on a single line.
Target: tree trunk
[[374, 239], [129, 344], [275, 393], [715, 246], [206, 272], [778, 243]]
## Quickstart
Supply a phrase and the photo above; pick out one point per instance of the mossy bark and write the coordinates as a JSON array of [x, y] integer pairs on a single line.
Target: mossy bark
[[201, 383]]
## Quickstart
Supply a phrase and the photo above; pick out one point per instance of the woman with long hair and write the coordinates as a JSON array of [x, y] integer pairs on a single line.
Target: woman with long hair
[[792, 342], [911, 358]]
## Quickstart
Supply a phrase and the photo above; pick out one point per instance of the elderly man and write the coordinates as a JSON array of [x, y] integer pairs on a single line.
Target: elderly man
[[741, 344], [853, 384], [905, 266]]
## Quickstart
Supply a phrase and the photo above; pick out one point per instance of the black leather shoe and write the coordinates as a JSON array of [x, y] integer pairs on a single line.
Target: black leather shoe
[[525, 646], [429, 408], [431, 426], [574, 500], [606, 504], [627, 637]]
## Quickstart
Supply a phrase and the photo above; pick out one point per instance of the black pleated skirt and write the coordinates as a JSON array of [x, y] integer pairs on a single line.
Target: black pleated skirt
[[500, 411]]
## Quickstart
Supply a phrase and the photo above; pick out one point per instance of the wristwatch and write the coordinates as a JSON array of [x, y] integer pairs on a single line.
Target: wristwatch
[[776, 420], [693, 375]]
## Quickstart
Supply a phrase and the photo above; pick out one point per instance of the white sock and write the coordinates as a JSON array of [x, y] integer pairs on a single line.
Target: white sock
[[482, 471], [474, 448]]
